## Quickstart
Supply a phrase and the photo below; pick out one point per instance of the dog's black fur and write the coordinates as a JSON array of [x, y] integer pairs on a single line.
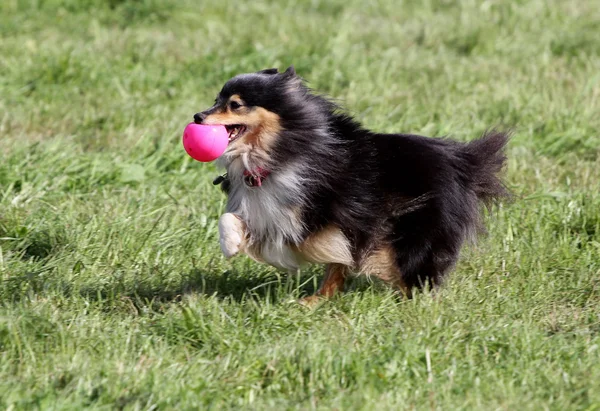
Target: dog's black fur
[[420, 195]]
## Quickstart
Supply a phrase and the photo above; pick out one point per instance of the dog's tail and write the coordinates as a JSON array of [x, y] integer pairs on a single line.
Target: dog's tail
[[487, 159]]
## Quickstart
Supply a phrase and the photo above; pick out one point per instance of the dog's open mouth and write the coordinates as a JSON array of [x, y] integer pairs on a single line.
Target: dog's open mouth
[[235, 131]]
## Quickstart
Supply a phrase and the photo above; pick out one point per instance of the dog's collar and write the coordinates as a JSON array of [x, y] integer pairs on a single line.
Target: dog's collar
[[251, 179], [255, 177]]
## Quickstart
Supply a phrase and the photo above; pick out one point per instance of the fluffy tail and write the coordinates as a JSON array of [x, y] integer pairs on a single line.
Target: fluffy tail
[[487, 159]]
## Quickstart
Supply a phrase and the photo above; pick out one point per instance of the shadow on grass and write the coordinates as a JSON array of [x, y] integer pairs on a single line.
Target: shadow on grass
[[155, 291], [237, 285], [232, 284]]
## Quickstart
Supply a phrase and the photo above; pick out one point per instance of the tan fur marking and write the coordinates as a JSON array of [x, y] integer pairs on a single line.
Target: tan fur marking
[[381, 263], [329, 245], [333, 283], [265, 127], [335, 277], [224, 118], [236, 98], [262, 125]]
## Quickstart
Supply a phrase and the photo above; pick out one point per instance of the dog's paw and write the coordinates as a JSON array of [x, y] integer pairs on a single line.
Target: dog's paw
[[231, 233], [312, 301]]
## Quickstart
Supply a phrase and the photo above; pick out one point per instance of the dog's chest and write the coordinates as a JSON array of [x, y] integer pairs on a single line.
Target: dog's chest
[[272, 215]]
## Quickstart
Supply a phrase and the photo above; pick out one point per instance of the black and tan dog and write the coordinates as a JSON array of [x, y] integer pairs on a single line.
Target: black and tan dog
[[306, 183]]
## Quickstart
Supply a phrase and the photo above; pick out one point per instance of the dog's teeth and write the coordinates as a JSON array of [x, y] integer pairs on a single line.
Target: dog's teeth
[[234, 133]]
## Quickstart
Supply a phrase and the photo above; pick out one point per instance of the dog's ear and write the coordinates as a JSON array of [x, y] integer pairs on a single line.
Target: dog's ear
[[290, 72], [268, 71]]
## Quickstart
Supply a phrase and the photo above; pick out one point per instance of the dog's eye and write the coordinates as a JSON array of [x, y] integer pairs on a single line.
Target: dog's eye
[[234, 105]]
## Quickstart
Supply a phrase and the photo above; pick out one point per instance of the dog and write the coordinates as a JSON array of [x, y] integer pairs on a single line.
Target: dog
[[306, 183]]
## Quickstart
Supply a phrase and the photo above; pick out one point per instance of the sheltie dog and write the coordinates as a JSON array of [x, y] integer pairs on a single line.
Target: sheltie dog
[[306, 183]]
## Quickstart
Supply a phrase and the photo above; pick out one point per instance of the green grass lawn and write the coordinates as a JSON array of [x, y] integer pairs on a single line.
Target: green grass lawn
[[113, 290]]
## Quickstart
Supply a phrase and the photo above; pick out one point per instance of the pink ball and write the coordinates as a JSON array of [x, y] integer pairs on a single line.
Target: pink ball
[[205, 142]]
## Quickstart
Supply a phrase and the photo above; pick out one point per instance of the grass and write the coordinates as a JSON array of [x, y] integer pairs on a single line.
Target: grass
[[113, 291]]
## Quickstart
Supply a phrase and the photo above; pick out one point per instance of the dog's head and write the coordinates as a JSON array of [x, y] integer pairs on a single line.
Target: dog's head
[[251, 107]]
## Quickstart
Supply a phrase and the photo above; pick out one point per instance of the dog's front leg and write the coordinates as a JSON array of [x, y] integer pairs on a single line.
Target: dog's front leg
[[232, 234]]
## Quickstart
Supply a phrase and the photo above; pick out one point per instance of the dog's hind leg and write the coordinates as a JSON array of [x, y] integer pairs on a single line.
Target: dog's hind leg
[[381, 263], [333, 283]]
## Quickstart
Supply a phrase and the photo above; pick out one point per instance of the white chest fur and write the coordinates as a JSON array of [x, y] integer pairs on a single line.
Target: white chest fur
[[271, 213]]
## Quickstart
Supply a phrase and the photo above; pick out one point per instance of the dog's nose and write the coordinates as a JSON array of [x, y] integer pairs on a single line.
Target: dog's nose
[[199, 118]]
